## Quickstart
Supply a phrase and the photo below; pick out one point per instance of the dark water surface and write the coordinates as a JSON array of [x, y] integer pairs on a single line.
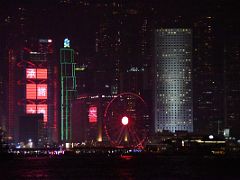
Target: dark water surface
[[121, 167]]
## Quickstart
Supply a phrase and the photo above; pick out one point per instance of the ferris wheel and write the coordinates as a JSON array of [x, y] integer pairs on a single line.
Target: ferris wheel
[[126, 120]]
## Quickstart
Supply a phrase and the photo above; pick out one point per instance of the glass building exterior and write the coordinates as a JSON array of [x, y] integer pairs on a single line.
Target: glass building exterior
[[173, 80]]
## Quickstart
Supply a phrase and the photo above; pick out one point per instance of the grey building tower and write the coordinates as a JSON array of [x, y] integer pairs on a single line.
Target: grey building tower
[[173, 80]]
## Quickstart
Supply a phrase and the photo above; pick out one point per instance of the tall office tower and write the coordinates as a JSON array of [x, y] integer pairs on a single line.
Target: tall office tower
[[2, 104], [124, 49], [84, 74], [232, 80], [45, 47], [136, 59], [68, 89], [173, 80], [31, 89], [108, 43], [12, 123], [12, 30], [146, 53], [38, 84], [207, 76], [36, 87]]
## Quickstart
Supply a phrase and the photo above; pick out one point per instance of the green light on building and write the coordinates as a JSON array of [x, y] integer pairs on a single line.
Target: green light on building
[[68, 91]]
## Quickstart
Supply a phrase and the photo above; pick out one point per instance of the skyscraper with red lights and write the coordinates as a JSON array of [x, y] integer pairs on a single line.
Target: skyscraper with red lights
[[33, 88]]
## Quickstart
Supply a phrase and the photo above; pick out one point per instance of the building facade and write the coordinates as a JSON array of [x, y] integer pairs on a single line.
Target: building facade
[[68, 89], [232, 80], [173, 80], [208, 76], [2, 104], [88, 119], [32, 88]]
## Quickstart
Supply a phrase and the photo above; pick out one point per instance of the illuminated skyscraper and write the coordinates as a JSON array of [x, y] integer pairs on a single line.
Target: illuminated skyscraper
[[173, 80], [68, 89], [32, 88]]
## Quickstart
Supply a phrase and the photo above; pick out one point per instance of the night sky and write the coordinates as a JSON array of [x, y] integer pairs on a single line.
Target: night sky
[[79, 22]]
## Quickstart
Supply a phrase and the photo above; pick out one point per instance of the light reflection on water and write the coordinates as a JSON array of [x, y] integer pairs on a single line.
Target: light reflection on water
[[33, 168], [122, 167], [126, 172], [34, 173], [126, 157]]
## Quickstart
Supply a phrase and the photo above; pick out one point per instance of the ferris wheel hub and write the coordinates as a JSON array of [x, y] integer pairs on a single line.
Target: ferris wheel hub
[[125, 120]]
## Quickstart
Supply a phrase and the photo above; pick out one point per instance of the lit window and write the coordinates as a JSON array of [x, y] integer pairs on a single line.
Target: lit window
[[42, 109], [30, 73], [30, 91], [41, 73], [31, 109], [92, 114], [42, 91]]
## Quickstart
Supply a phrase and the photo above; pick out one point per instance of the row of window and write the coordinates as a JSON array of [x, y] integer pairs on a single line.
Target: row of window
[[173, 30], [173, 122], [174, 128], [174, 114]]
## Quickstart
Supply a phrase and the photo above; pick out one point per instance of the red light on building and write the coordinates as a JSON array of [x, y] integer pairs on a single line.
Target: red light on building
[[42, 91], [92, 114], [42, 109], [37, 109], [31, 109], [31, 73], [41, 73], [31, 91]]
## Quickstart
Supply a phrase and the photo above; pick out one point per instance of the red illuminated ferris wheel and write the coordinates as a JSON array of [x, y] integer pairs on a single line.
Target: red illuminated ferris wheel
[[126, 120]]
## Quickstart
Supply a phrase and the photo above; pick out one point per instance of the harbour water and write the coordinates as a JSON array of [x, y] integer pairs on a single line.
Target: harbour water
[[120, 167]]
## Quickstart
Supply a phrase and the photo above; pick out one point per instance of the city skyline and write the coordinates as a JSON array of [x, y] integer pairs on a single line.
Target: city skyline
[[113, 89], [113, 46]]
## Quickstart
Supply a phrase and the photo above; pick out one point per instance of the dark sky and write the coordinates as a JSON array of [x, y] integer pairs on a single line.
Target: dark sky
[[54, 19]]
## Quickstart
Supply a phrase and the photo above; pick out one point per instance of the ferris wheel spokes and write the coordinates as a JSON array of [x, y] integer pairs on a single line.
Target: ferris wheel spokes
[[124, 120]]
